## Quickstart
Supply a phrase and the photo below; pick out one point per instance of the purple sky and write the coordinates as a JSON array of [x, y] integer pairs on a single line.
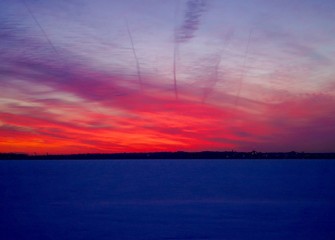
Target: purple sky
[[150, 75]]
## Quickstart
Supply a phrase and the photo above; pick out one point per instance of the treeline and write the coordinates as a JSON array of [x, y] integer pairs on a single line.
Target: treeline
[[173, 155]]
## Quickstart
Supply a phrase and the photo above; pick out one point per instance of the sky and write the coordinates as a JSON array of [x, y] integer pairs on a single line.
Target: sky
[[104, 76]]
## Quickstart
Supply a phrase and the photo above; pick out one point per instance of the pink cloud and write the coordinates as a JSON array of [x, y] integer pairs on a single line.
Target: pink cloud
[[60, 103]]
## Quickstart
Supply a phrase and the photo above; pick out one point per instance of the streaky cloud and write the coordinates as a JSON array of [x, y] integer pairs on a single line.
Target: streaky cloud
[[193, 12]]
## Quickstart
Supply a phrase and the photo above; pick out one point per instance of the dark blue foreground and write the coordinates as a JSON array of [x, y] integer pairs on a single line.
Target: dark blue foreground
[[162, 199]]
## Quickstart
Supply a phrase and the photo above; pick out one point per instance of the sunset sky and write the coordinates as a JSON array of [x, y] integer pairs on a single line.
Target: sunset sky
[[110, 76]]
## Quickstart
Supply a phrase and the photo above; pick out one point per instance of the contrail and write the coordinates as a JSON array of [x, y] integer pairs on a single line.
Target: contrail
[[135, 56], [207, 91], [243, 70], [175, 86], [39, 26], [192, 15], [175, 51], [213, 83]]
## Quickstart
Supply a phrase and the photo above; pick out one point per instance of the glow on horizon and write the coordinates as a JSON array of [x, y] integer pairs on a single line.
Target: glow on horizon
[[142, 76]]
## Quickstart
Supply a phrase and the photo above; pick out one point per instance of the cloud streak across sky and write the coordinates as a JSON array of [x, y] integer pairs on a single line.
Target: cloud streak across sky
[[193, 12], [71, 84]]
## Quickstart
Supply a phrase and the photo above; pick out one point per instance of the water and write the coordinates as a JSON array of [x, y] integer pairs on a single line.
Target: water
[[167, 199]]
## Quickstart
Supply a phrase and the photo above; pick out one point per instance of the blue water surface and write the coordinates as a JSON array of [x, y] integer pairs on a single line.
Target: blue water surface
[[167, 199]]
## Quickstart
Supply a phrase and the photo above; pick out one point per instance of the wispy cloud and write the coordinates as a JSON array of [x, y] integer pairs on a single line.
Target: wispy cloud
[[193, 12], [74, 102]]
